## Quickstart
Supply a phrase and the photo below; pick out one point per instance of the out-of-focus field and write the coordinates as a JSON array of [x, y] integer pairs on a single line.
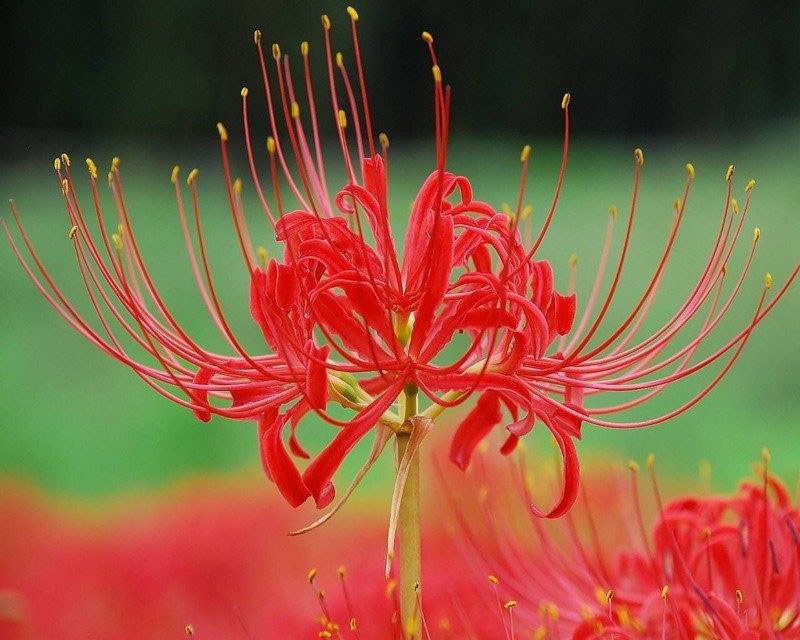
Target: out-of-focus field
[[75, 421]]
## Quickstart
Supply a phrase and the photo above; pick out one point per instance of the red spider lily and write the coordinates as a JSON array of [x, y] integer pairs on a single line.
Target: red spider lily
[[717, 568], [349, 320]]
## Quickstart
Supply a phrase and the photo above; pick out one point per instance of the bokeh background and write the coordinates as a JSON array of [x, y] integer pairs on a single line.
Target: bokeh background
[[709, 83]]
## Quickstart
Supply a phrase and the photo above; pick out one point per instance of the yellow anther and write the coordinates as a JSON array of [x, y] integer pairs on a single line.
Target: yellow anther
[[189, 629], [724, 269], [341, 571], [565, 100], [768, 285], [665, 591], [678, 204], [540, 633], [324, 634], [749, 186], [756, 234], [573, 261], [510, 604], [527, 210], [312, 573], [411, 627], [526, 153], [552, 611], [765, 454], [92, 168], [276, 51], [427, 37], [739, 596], [639, 155], [244, 92], [633, 466], [416, 585], [342, 119], [115, 163], [690, 170], [295, 110], [437, 73], [384, 140], [603, 596], [110, 178], [120, 230], [353, 624], [65, 159], [735, 205], [57, 164], [65, 186], [339, 59], [613, 211], [326, 22], [192, 176], [223, 132], [651, 460], [117, 240], [494, 580], [237, 186], [729, 173], [72, 231], [175, 171], [257, 36], [263, 256], [390, 588], [270, 145], [304, 48], [353, 14]]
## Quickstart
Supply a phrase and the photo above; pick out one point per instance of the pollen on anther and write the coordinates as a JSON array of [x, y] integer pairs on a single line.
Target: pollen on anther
[[510, 604], [565, 100], [339, 59], [342, 119], [304, 48], [312, 573], [526, 153], [72, 231], [244, 92], [664, 591], [613, 211], [223, 132], [175, 171], [384, 140], [276, 51], [295, 110], [115, 163], [633, 466], [353, 14], [341, 571], [739, 596], [756, 234], [651, 460], [735, 205], [690, 170], [57, 164], [749, 186], [270, 145], [326, 22], [639, 155], [117, 240], [768, 280], [573, 261], [263, 256], [437, 73], [192, 176], [189, 629], [65, 186], [493, 580], [237, 186], [729, 173], [65, 159], [257, 36], [92, 168], [353, 624], [427, 37]]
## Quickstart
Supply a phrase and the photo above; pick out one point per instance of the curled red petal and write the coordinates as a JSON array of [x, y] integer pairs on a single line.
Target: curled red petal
[[475, 427], [317, 376], [200, 396], [277, 463], [572, 473]]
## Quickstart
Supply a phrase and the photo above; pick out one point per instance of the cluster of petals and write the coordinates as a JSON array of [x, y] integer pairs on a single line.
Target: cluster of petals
[[465, 308], [717, 567]]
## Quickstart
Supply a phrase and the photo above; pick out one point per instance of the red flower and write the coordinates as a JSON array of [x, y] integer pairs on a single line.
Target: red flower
[[718, 567], [349, 319]]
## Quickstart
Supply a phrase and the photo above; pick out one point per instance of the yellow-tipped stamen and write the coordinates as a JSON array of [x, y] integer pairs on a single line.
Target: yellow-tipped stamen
[[735, 205], [353, 14], [72, 231], [175, 171], [729, 173], [573, 261], [115, 163], [526, 153], [312, 573], [120, 230], [342, 119], [117, 240], [271, 145], [527, 210], [244, 92], [739, 596], [690, 170], [339, 59], [276, 51], [510, 604], [633, 466], [263, 256], [65, 159], [756, 234], [678, 204], [493, 580], [767, 285], [295, 110], [57, 164], [383, 139], [304, 48], [257, 36], [192, 176], [437, 73], [189, 629], [341, 571], [223, 132], [749, 186], [427, 37], [92, 167], [613, 211], [639, 155], [326, 22], [237, 186], [565, 100], [651, 460], [65, 186]]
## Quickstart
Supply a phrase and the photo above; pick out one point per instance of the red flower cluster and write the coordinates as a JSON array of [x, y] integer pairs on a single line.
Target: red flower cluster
[[717, 568], [350, 319]]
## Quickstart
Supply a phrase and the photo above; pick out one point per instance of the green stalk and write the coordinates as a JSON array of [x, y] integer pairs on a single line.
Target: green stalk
[[408, 534]]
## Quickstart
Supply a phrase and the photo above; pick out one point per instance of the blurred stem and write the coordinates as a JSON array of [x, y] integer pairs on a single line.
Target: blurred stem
[[408, 535]]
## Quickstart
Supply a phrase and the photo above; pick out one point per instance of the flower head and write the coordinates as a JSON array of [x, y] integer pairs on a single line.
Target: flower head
[[464, 308]]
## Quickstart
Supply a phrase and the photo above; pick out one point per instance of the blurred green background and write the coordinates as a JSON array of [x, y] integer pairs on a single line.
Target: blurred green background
[[149, 82]]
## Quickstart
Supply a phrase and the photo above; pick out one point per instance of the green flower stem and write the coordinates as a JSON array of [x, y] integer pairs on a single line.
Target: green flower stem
[[408, 534]]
